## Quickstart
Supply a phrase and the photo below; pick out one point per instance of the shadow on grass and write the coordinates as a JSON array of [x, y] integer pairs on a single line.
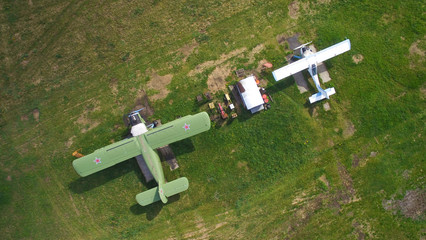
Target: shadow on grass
[[84, 184], [230, 120], [245, 115], [280, 86], [151, 211], [88, 183], [182, 147], [312, 107]]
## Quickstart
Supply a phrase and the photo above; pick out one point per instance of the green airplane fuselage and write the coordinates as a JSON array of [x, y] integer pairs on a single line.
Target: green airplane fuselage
[[154, 164]]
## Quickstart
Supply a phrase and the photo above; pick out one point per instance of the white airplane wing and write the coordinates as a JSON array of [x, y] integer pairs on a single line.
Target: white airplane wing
[[333, 51], [318, 57], [290, 69]]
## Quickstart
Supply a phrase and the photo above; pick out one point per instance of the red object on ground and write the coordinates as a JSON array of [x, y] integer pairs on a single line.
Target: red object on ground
[[268, 65], [222, 113], [266, 100], [257, 82], [264, 96]]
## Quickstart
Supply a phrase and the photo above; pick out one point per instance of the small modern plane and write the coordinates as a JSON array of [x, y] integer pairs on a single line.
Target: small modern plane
[[309, 60], [142, 144]]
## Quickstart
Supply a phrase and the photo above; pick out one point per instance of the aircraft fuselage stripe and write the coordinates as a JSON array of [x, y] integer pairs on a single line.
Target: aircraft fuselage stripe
[[160, 130], [119, 145]]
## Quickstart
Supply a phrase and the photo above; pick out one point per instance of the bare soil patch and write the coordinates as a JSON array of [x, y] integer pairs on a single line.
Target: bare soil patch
[[260, 65], [25, 62], [362, 230], [143, 102], [73, 204], [323, 179], [406, 174], [356, 158], [417, 54], [357, 58], [413, 205], [423, 91], [16, 37], [28, 168], [254, 51], [242, 165], [188, 49], [301, 197], [293, 9], [85, 122], [303, 214], [216, 80], [159, 83], [415, 50], [36, 114], [399, 96], [326, 106], [386, 18], [113, 85], [224, 57], [69, 142], [202, 231], [307, 9], [281, 38], [348, 194], [37, 81], [263, 83], [349, 129]]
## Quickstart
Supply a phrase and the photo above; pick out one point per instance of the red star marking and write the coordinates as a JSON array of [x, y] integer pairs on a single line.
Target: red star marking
[[186, 127], [97, 160]]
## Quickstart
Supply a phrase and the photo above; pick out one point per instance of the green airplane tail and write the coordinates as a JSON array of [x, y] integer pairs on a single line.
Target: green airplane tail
[[152, 195]]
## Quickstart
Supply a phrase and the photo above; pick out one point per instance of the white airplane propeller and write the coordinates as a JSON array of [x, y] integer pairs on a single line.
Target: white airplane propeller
[[302, 45]]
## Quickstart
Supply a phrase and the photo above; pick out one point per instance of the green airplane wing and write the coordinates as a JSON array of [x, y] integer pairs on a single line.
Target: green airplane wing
[[107, 156], [178, 129]]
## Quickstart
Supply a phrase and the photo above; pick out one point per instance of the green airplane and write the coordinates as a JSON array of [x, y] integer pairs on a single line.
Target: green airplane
[[142, 144]]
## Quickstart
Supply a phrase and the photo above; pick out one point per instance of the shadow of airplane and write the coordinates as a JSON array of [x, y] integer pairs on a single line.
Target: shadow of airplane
[[84, 184], [151, 211], [182, 147]]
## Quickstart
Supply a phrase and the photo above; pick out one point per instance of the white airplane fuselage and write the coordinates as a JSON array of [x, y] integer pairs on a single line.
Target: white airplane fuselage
[[313, 68]]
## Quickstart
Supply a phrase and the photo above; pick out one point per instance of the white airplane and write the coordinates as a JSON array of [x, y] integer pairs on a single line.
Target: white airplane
[[310, 60]]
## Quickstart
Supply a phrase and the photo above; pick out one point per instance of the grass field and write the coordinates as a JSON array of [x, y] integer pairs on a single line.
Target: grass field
[[70, 70]]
